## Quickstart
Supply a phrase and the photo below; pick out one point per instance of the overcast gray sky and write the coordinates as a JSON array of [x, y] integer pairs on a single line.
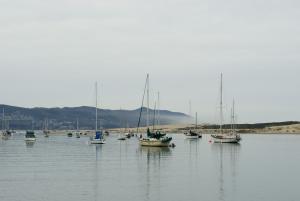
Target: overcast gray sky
[[52, 52]]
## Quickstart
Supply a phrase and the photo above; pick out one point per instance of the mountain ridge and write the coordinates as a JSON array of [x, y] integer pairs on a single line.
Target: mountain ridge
[[66, 117]]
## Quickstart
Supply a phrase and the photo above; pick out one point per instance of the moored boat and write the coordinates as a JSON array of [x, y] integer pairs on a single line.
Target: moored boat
[[6, 133], [154, 138], [192, 135], [122, 138], [98, 138], [30, 136], [222, 137], [226, 138], [46, 131], [77, 129]]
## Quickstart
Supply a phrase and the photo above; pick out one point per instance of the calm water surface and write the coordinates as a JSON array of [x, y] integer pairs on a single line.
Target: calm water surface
[[58, 168]]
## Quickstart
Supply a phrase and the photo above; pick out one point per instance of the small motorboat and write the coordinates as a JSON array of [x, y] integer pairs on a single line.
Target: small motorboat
[[70, 134]]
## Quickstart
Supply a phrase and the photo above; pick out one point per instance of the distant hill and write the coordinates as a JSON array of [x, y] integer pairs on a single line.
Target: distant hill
[[253, 126], [65, 118]]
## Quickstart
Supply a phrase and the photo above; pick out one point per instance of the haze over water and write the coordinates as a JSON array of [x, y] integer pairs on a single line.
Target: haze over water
[[60, 168]]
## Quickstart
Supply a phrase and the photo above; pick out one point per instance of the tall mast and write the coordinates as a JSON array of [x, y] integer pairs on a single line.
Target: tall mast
[[3, 116], [77, 123], [154, 115], [158, 109], [190, 107], [233, 117], [221, 105], [196, 120], [147, 100], [96, 106]]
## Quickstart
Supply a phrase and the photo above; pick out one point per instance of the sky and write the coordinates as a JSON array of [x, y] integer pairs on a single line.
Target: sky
[[52, 52]]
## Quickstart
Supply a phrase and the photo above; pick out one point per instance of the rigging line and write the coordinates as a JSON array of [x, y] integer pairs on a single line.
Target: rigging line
[[142, 105]]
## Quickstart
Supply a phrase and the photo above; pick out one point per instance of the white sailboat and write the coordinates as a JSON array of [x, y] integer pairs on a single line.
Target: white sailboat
[[222, 137], [77, 129], [98, 138], [46, 131], [153, 139]]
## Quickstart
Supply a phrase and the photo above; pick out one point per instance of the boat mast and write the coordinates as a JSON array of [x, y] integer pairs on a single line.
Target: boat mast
[[3, 116], [233, 117], [158, 110], [141, 110], [190, 108], [147, 100], [154, 115], [196, 120], [77, 124], [221, 105], [96, 89]]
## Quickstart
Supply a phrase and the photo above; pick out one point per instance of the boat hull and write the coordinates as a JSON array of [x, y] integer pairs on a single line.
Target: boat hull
[[30, 139], [153, 143], [191, 136], [122, 138], [94, 141], [226, 139]]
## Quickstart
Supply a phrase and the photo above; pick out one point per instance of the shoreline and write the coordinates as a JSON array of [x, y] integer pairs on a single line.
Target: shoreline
[[293, 129]]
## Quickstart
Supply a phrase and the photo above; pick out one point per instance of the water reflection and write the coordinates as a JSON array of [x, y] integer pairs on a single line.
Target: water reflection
[[155, 152], [154, 157], [5, 137], [29, 144], [193, 150], [98, 149], [228, 155]]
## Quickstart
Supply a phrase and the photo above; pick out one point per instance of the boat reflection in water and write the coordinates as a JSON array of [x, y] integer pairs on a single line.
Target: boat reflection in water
[[29, 144], [153, 164], [227, 156], [95, 176], [155, 152]]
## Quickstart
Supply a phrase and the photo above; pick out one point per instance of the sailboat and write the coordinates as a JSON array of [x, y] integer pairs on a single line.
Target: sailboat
[[153, 139], [222, 137], [46, 131], [98, 138], [5, 134], [193, 134], [77, 130], [121, 137], [30, 136], [124, 135], [127, 132]]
